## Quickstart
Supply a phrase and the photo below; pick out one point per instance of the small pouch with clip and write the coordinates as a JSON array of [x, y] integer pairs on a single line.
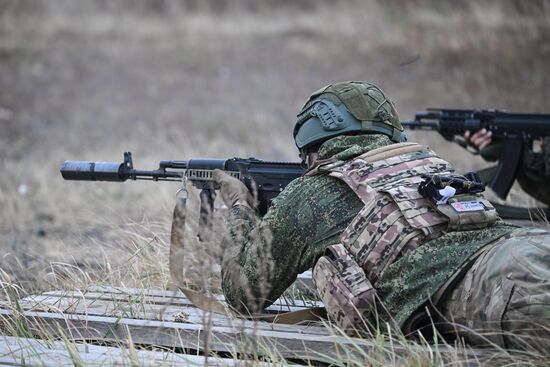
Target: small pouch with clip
[[459, 199], [348, 295]]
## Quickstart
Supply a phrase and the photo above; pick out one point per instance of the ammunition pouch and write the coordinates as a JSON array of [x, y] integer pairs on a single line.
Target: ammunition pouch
[[468, 212], [347, 294], [458, 199]]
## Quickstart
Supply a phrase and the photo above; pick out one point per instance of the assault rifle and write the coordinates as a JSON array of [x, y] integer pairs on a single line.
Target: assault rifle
[[266, 179], [516, 131]]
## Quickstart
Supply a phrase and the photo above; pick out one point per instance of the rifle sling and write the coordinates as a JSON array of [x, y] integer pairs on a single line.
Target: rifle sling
[[209, 303], [513, 212]]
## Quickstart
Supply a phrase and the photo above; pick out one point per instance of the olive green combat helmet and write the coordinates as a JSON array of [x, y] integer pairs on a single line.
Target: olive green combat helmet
[[343, 109]]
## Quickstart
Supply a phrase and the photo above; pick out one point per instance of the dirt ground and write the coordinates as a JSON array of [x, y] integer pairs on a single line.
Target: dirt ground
[[181, 79]]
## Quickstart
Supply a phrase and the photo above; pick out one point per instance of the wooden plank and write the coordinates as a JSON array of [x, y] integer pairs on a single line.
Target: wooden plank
[[304, 284], [190, 336], [103, 316], [306, 278], [280, 305], [137, 298], [242, 341], [24, 352], [188, 314]]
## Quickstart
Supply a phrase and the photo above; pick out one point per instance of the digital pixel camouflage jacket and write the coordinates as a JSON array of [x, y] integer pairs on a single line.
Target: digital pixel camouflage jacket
[[265, 255]]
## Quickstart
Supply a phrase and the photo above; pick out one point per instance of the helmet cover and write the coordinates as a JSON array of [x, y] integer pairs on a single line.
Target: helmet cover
[[346, 108]]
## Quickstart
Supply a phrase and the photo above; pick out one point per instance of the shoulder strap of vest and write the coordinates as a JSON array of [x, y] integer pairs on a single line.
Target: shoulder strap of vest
[[391, 150], [321, 164], [381, 153]]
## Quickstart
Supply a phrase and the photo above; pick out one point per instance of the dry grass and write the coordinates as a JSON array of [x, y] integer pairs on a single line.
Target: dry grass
[[388, 349], [184, 80], [145, 267], [181, 79]]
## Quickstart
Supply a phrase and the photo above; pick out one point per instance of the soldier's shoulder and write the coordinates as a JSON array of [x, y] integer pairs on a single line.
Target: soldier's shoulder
[[307, 186]]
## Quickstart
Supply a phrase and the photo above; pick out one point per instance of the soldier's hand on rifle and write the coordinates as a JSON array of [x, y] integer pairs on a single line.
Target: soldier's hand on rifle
[[232, 190], [480, 139]]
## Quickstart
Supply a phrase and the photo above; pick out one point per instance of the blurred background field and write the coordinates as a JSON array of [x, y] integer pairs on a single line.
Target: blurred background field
[[176, 79]]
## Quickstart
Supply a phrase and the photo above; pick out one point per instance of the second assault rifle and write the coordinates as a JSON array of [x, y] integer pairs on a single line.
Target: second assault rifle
[[516, 131], [266, 179]]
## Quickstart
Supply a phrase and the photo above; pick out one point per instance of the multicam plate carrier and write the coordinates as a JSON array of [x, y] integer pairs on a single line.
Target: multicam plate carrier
[[395, 219]]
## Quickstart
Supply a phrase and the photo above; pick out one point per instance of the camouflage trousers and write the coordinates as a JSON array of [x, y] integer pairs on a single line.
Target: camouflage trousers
[[504, 298]]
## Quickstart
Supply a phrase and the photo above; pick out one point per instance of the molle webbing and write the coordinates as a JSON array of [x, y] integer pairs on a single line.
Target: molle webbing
[[396, 218], [343, 287]]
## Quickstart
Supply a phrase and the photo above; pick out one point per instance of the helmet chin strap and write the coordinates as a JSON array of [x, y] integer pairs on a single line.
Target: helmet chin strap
[[308, 158], [303, 156], [311, 158]]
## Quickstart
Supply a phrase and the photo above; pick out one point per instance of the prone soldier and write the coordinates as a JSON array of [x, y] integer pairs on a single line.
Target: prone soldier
[[391, 236]]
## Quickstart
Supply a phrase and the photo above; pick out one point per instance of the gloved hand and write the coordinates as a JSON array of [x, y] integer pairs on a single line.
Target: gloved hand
[[232, 190]]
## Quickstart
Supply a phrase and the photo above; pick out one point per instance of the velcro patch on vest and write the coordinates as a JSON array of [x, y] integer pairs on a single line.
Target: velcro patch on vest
[[467, 206], [466, 212]]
